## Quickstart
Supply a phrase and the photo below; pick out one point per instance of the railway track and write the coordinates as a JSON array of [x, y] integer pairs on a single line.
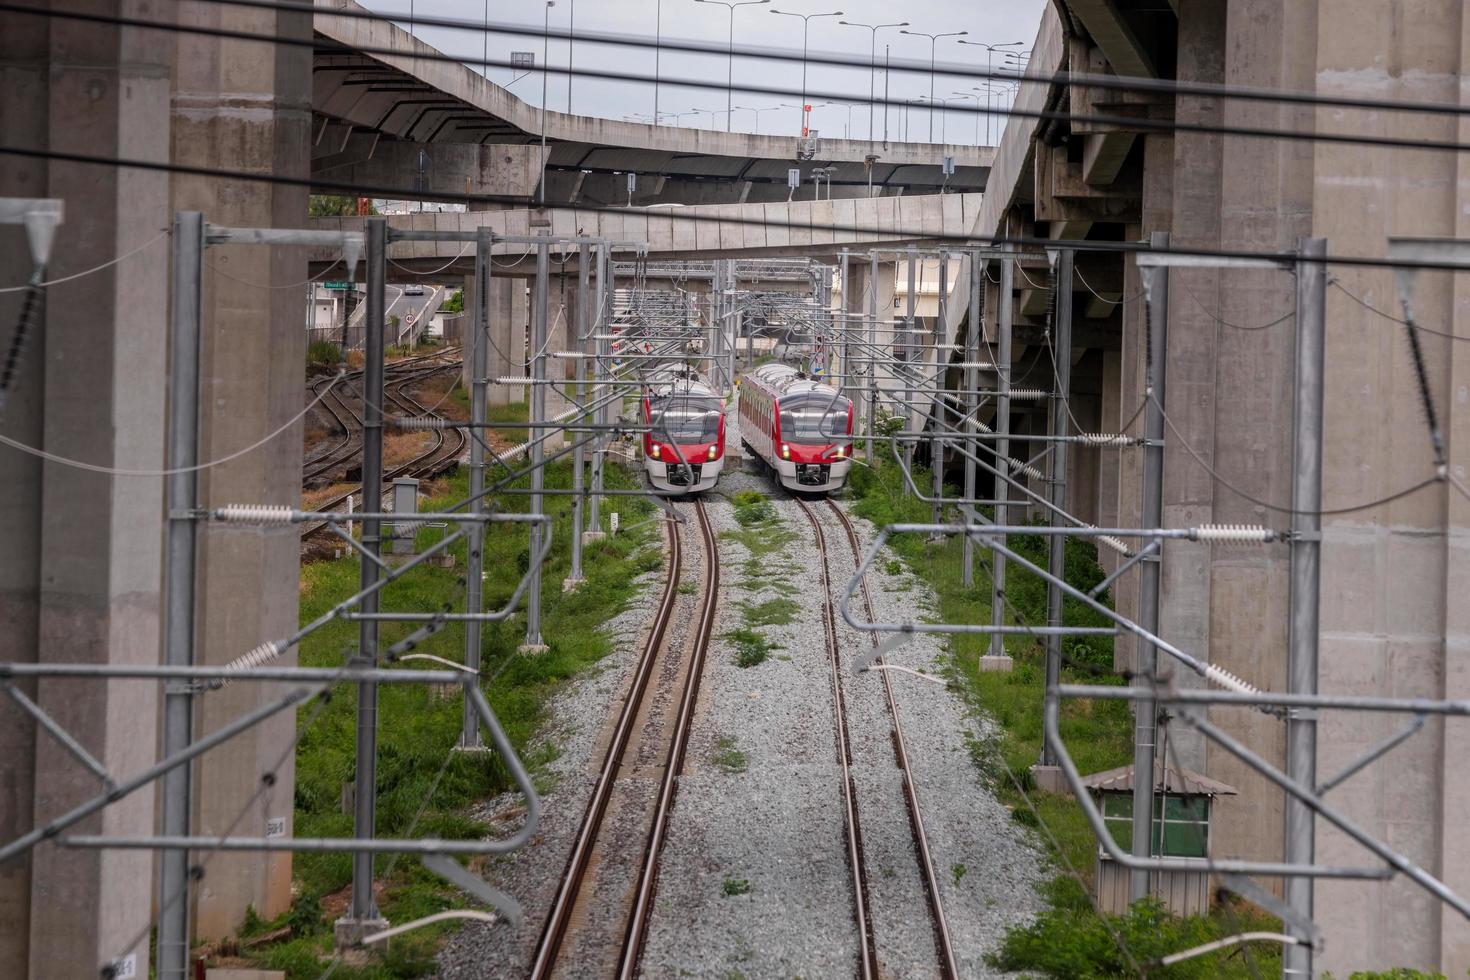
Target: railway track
[[638, 722], [444, 451], [943, 944]]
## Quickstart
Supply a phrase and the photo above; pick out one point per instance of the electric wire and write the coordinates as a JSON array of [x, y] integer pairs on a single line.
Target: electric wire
[[1104, 81], [95, 269], [1226, 323], [114, 471], [1334, 281], [958, 242], [1437, 477], [1134, 123]]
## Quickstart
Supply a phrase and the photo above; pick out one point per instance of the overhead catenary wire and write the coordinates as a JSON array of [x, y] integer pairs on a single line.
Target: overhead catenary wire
[[1129, 122], [1104, 81], [117, 471], [95, 269]]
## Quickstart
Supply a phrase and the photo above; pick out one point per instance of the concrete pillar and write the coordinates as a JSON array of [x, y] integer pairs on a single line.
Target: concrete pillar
[[81, 573], [234, 108]]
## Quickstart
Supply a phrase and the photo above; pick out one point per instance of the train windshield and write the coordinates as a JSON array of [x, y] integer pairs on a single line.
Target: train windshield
[[688, 418], [814, 418]]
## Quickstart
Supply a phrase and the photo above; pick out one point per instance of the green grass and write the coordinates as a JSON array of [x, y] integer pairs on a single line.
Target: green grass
[[418, 727], [1070, 939], [751, 649], [735, 886], [772, 612], [728, 755]]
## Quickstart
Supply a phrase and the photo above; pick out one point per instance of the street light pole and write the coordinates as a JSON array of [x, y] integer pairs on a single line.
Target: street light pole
[[545, 72], [972, 95], [730, 57], [933, 43], [658, 26], [571, 45], [806, 20], [990, 49], [872, 64]]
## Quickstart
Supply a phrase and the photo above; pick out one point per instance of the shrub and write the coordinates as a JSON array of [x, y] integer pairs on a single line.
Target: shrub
[[323, 353]]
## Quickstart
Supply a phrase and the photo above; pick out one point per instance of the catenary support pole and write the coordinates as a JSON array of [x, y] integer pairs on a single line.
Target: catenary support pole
[[183, 489], [1002, 358], [973, 335], [1145, 722], [872, 357], [540, 301], [906, 375], [579, 458], [469, 736], [1306, 525], [363, 909], [1060, 415], [940, 414], [839, 324], [601, 321]]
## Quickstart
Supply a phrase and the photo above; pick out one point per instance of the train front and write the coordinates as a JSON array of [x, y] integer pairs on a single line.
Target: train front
[[815, 446], [693, 423]]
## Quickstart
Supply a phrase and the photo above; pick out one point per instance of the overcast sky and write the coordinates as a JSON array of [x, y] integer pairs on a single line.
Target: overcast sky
[[989, 21]]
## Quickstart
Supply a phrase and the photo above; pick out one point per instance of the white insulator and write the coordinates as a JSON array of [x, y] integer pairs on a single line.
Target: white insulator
[[1017, 466], [1116, 544], [513, 381], [254, 514], [569, 355], [1232, 533], [1028, 394], [258, 657], [1227, 680], [1104, 439], [421, 423]]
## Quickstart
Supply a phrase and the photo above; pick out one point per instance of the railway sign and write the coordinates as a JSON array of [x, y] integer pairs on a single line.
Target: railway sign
[[337, 285]]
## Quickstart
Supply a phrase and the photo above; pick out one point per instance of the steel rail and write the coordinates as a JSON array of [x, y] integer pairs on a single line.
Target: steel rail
[[647, 889], [944, 946], [868, 950], [559, 917]]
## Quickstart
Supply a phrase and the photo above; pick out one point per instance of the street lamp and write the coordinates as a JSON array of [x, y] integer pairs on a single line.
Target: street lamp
[[545, 71], [806, 22], [943, 116], [712, 114], [972, 95], [933, 40], [872, 63], [999, 90], [990, 50], [730, 58]]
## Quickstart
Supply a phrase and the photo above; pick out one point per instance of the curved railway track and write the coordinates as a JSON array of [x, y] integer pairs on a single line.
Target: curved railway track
[[573, 890], [944, 946], [446, 447]]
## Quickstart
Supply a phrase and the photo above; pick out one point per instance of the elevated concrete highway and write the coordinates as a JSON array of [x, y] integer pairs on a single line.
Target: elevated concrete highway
[[399, 119], [811, 228]]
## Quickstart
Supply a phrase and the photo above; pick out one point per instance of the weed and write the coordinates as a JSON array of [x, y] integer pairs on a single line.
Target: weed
[[730, 758], [893, 566], [323, 353], [688, 588], [735, 886], [772, 612], [958, 871], [751, 649]]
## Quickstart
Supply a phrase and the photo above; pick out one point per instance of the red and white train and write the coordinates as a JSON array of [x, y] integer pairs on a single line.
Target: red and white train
[[683, 411], [800, 427]]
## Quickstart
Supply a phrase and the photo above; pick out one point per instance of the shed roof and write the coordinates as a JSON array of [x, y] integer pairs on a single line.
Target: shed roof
[[1171, 778]]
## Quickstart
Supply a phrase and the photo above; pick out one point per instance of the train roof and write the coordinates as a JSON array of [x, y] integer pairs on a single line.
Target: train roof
[[783, 379]]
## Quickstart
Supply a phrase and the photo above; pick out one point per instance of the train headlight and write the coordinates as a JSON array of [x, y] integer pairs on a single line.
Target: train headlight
[[656, 451], [712, 453], [839, 452], [785, 451]]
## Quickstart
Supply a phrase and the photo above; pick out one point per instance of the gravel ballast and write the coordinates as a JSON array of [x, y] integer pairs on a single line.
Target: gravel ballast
[[754, 878]]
